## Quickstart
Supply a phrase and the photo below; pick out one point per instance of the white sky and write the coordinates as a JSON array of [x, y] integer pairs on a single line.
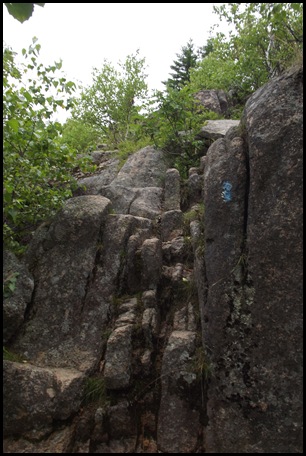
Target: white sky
[[84, 34]]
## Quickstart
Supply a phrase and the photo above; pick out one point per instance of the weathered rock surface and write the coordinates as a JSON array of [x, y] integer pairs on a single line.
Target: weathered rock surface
[[57, 442], [253, 264], [214, 100], [172, 190], [137, 189], [107, 169], [215, 129], [34, 397], [145, 168], [57, 311], [178, 421], [171, 225], [117, 372], [16, 275], [186, 320]]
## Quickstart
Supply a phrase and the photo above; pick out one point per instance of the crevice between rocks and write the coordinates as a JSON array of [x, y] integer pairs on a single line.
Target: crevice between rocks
[[91, 276]]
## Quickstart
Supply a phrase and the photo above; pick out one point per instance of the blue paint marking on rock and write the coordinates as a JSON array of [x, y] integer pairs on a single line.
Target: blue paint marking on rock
[[226, 193]]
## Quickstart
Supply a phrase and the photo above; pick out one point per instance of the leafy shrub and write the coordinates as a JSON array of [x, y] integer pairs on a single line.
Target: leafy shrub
[[174, 125], [37, 165], [9, 284]]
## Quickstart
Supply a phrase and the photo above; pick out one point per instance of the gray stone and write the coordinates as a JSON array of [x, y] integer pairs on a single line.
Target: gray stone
[[202, 163], [151, 255], [184, 319], [57, 442], [121, 197], [16, 274], [245, 256], [192, 171], [174, 273], [150, 324], [125, 318], [94, 185], [172, 197], [136, 189], [121, 423], [34, 397], [171, 225], [195, 188], [96, 157], [147, 203], [253, 267], [214, 100], [149, 298], [53, 334], [132, 269], [128, 305], [142, 202], [118, 358], [215, 129], [178, 422], [175, 251], [145, 168]]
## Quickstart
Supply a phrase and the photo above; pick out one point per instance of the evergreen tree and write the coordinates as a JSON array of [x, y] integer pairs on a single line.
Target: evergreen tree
[[181, 67]]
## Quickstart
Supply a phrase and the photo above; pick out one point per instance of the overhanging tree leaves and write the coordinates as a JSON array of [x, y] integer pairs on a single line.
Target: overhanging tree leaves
[[37, 167], [21, 11]]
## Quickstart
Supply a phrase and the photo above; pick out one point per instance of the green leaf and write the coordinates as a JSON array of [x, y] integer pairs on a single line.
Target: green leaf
[[20, 11], [28, 96], [12, 285], [14, 124]]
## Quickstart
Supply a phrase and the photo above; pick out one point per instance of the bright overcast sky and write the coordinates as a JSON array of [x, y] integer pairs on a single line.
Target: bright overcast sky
[[84, 34]]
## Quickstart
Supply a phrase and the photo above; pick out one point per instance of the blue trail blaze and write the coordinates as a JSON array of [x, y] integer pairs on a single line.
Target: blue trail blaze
[[226, 193]]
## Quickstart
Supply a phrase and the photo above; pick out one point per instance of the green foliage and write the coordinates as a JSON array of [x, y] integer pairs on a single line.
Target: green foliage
[[174, 125], [8, 355], [201, 365], [37, 166], [95, 390], [181, 67], [9, 284], [195, 213], [79, 136], [21, 11], [113, 103], [266, 39]]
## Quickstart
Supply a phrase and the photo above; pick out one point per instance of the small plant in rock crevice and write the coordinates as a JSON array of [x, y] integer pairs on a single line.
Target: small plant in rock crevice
[[9, 284], [95, 391], [200, 364], [195, 213], [8, 355]]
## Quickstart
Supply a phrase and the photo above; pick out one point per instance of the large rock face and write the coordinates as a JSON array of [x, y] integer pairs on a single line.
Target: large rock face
[[155, 315], [63, 259], [253, 258]]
